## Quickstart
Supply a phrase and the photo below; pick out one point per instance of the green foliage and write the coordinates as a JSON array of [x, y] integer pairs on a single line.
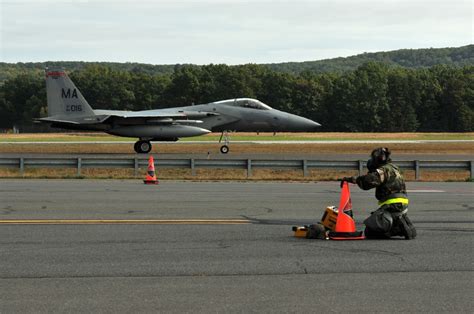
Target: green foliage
[[374, 97], [9, 70], [22, 99], [455, 99], [410, 58]]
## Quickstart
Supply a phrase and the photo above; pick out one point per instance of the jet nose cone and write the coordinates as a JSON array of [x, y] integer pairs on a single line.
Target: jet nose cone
[[300, 124], [312, 124]]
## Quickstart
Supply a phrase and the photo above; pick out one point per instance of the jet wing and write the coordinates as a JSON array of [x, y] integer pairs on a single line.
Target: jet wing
[[139, 114], [160, 113], [154, 116], [81, 120], [131, 117], [52, 120]]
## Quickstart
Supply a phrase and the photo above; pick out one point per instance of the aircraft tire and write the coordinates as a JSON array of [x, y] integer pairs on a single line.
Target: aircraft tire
[[142, 147], [224, 149]]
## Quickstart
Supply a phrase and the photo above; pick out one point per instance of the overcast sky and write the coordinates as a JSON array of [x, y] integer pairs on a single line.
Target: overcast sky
[[220, 31]]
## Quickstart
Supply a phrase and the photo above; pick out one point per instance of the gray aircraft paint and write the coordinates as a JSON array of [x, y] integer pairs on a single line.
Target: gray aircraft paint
[[172, 131], [64, 99], [68, 109]]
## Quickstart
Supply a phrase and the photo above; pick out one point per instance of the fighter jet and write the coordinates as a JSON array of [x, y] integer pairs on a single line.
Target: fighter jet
[[68, 109]]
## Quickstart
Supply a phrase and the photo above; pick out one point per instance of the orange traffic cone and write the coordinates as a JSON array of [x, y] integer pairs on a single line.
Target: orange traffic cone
[[150, 174], [345, 225]]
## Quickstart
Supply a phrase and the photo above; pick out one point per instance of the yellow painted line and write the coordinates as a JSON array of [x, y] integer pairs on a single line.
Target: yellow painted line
[[124, 221]]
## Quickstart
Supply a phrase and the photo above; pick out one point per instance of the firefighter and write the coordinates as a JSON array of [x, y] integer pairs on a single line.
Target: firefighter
[[390, 219]]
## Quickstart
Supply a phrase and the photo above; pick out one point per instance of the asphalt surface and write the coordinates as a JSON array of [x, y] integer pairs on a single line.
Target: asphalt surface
[[244, 267]]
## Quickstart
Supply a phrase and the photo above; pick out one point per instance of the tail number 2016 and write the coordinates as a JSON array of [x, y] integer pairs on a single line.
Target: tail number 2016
[[73, 108]]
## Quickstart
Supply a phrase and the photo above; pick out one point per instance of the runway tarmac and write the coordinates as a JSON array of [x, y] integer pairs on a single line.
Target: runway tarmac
[[242, 258]]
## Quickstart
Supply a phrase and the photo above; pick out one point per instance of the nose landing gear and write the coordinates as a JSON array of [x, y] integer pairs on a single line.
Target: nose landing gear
[[225, 148]]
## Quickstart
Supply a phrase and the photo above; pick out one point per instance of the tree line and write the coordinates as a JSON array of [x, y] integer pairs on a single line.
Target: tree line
[[375, 97], [407, 58]]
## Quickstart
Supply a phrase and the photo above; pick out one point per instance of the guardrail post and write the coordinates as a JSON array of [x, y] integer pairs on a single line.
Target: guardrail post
[[22, 166], [135, 167], [193, 169], [79, 166], [303, 164], [249, 168], [417, 170], [361, 167], [472, 169]]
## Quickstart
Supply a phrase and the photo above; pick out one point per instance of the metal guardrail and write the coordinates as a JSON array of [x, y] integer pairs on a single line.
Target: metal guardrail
[[305, 165]]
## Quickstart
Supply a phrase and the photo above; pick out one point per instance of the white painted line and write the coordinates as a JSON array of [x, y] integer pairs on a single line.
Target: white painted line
[[426, 191], [253, 142], [124, 221]]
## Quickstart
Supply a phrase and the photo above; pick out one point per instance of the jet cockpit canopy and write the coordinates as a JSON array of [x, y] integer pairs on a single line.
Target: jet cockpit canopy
[[246, 103]]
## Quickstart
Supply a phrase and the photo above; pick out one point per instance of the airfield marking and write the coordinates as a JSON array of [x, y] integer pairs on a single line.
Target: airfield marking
[[369, 141], [426, 191], [124, 221]]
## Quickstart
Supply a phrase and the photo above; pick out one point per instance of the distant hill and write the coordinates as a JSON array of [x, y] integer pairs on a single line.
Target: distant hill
[[410, 58], [8, 70]]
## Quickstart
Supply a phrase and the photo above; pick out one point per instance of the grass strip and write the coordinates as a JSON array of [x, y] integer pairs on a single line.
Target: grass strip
[[242, 136], [223, 174]]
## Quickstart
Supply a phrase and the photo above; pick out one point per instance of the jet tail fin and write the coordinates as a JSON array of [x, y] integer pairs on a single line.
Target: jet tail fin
[[64, 98]]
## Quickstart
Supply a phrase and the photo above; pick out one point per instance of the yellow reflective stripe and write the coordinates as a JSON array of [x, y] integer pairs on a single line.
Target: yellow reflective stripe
[[401, 200]]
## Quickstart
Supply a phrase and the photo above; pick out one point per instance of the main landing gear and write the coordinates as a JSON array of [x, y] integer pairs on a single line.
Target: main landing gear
[[142, 147], [225, 148]]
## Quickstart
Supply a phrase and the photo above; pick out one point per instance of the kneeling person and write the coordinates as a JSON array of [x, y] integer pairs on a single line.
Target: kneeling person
[[390, 219]]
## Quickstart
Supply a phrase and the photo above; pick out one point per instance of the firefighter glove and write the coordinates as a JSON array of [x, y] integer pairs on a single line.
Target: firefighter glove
[[348, 179]]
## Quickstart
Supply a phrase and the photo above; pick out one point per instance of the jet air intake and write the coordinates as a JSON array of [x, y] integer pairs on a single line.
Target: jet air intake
[[158, 131]]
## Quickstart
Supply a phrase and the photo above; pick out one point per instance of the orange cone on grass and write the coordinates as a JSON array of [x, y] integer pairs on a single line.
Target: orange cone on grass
[[150, 173], [345, 225]]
